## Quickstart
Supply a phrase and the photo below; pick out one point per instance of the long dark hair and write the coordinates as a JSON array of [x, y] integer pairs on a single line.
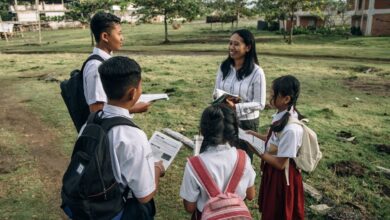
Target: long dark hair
[[218, 125], [286, 85], [250, 57]]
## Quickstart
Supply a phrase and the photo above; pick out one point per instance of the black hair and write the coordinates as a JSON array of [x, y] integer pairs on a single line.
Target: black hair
[[218, 125], [250, 56], [286, 85], [103, 22], [118, 74]]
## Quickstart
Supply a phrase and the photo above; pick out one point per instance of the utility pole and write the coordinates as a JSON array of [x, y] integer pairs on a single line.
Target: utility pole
[[39, 22]]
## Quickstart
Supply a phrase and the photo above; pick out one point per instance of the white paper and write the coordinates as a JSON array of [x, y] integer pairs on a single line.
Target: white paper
[[164, 148], [218, 93], [256, 142], [152, 97], [198, 139]]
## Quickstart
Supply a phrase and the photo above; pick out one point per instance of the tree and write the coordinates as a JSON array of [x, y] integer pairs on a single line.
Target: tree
[[170, 9], [4, 10], [288, 8], [83, 10], [273, 11]]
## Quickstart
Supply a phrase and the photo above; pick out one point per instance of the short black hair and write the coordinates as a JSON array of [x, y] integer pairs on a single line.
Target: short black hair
[[118, 74], [103, 22]]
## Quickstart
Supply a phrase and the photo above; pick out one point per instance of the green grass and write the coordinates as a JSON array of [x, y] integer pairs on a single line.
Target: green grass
[[323, 97], [198, 37]]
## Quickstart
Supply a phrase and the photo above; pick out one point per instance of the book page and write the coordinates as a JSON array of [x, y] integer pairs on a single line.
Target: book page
[[152, 97], [220, 96], [164, 148], [256, 142]]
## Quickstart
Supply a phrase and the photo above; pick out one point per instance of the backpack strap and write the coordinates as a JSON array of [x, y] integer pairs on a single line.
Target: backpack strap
[[203, 176], [108, 123], [237, 173], [92, 57]]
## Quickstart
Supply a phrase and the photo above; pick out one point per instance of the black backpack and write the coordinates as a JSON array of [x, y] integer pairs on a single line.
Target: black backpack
[[72, 91], [89, 189]]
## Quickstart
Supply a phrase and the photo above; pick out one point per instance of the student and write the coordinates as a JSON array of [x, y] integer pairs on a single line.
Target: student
[[219, 128], [240, 74], [133, 162], [281, 192], [107, 31]]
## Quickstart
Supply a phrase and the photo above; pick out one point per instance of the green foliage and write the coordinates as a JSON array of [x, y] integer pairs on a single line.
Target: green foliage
[[170, 9], [83, 10]]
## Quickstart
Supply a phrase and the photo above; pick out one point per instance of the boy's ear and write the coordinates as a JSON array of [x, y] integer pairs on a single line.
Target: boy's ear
[[131, 93], [104, 36]]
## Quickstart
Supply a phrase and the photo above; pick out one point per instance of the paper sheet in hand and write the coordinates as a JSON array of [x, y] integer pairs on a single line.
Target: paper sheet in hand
[[152, 97], [256, 142], [164, 148], [221, 96]]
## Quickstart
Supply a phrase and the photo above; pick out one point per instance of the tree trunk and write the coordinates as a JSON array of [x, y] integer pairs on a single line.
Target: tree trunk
[[166, 27], [291, 29]]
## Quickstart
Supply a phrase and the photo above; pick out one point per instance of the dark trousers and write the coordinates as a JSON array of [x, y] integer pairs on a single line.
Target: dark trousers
[[135, 210], [248, 125]]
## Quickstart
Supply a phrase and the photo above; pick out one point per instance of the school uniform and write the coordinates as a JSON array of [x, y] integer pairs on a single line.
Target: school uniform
[[219, 161], [281, 194], [132, 163], [93, 88], [252, 91]]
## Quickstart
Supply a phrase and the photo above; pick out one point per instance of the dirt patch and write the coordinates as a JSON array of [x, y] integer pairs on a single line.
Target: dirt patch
[[383, 148], [345, 212], [41, 142], [372, 86], [348, 168]]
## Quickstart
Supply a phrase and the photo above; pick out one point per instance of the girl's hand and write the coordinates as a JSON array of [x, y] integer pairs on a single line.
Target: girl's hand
[[231, 103], [253, 150]]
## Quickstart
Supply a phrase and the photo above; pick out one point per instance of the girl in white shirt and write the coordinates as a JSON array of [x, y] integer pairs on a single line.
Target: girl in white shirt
[[240, 74], [220, 131], [281, 193]]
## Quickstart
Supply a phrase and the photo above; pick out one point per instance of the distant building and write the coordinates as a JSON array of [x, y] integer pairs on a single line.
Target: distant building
[[372, 17], [28, 12], [131, 15], [302, 19]]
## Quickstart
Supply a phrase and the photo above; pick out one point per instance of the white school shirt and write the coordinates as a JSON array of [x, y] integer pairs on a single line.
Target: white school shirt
[[93, 88], [251, 90], [219, 162], [131, 155], [289, 143]]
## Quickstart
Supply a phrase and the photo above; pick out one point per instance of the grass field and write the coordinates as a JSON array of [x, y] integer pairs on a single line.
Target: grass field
[[349, 95]]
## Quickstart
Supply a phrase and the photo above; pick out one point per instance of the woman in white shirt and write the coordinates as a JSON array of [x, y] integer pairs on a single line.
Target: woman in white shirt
[[240, 74], [219, 128]]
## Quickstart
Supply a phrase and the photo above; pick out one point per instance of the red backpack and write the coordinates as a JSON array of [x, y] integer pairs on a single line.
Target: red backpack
[[226, 205]]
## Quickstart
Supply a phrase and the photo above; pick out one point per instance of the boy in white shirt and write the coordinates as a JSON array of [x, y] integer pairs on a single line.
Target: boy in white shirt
[[131, 155], [107, 31]]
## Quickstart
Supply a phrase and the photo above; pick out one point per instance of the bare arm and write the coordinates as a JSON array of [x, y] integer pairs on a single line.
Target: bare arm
[[96, 106], [140, 107], [189, 206], [277, 162], [250, 193], [159, 172]]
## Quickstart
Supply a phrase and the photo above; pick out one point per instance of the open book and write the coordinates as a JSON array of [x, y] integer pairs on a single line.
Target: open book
[[152, 97], [164, 148], [220, 96], [256, 142]]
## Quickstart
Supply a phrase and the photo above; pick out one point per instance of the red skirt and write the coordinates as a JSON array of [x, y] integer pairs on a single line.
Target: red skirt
[[276, 199]]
